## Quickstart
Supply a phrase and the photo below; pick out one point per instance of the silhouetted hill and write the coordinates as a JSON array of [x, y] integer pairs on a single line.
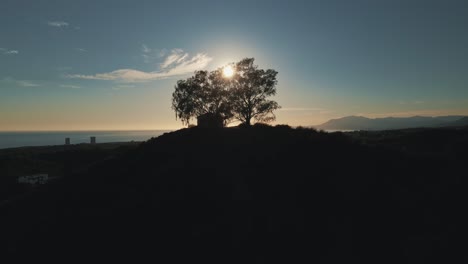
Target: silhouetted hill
[[256, 195], [363, 123]]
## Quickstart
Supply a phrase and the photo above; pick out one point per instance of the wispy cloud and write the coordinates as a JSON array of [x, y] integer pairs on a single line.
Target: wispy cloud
[[146, 56], [150, 55], [23, 83], [176, 63], [11, 52], [145, 49], [58, 24], [81, 50], [176, 56], [70, 86], [162, 53], [8, 52]]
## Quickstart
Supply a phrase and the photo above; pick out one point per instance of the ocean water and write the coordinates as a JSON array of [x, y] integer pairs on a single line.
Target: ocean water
[[23, 139]]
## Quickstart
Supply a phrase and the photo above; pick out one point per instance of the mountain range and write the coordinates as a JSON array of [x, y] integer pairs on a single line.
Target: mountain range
[[364, 123]]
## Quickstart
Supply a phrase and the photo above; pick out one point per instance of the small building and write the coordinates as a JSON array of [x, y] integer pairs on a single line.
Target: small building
[[210, 120], [67, 141], [34, 179], [93, 140]]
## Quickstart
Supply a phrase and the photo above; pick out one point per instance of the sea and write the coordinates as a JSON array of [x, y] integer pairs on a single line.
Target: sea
[[50, 138]]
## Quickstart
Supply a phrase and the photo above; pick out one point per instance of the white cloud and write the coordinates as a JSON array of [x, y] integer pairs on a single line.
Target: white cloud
[[149, 55], [175, 56], [12, 52], [81, 50], [70, 86], [145, 49], [176, 63], [58, 24], [8, 52], [25, 83], [162, 53], [146, 56]]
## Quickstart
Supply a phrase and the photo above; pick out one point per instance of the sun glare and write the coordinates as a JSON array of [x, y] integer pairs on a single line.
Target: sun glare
[[228, 71]]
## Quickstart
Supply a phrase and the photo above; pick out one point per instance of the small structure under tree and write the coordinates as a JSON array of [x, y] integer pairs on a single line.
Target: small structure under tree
[[210, 120]]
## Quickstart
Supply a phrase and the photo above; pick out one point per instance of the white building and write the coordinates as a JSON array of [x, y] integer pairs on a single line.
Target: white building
[[34, 179]]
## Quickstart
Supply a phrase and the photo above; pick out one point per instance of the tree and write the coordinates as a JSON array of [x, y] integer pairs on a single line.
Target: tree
[[249, 90], [201, 94], [242, 96]]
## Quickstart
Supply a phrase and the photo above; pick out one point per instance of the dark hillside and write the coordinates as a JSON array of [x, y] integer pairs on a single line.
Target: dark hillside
[[56, 161], [260, 194]]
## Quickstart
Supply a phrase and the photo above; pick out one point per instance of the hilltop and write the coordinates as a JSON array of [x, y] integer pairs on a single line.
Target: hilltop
[[260, 194]]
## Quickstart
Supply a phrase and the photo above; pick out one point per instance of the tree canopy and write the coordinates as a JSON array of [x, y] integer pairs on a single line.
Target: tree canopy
[[201, 94], [242, 96], [249, 92]]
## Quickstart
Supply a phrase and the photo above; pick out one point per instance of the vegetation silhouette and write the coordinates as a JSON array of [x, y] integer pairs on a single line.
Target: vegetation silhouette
[[242, 96], [263, 194]]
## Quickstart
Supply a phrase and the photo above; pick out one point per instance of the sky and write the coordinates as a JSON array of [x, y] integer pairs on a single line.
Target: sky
[[112, 65]]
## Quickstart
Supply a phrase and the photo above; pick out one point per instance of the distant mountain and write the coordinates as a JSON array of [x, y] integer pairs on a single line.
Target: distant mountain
[[364, 123], [457, 123]]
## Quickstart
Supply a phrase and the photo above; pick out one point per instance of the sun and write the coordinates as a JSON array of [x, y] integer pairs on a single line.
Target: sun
[[228, 71]]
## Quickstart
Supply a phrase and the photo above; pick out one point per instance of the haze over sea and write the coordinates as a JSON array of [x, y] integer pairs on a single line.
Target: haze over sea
[[46, 138]]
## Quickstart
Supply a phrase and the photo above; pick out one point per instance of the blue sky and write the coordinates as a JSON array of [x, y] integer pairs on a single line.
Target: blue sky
[[68, 65]]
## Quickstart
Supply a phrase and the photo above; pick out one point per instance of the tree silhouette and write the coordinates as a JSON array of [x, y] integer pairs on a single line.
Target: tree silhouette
[[242, 96], [201, 94], [250, 88]]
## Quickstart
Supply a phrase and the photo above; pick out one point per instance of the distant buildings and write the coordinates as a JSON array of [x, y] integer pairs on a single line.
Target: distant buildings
[[34, 179], [92, 140]]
